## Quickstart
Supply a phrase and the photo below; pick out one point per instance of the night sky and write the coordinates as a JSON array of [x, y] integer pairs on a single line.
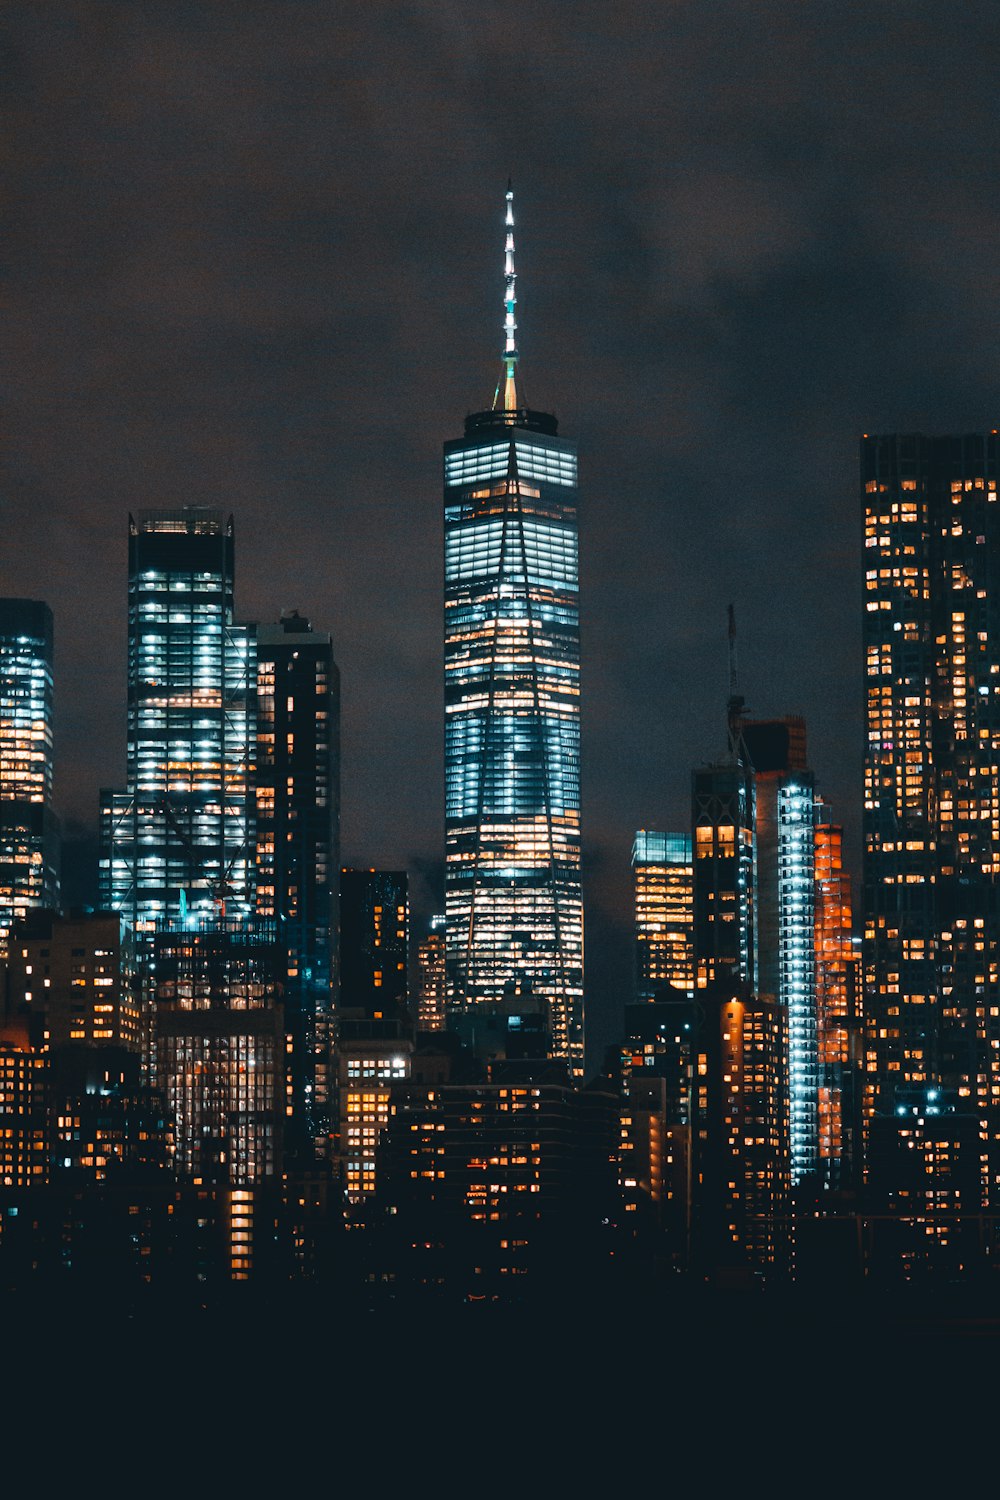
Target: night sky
[[253, 259]]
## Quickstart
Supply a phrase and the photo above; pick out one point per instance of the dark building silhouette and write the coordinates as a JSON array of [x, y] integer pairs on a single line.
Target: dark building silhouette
[[374, 939], [297, 786], [497, 1191]]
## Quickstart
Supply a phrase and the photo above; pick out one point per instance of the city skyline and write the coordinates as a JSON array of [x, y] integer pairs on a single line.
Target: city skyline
[[726, 278]]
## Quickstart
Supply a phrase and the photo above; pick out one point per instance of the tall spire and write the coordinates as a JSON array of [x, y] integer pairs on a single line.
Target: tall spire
[[507, 376]]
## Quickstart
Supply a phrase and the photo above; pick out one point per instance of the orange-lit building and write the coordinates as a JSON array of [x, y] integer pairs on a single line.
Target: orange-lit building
[[931, 897], [76, 978], [742, 1157], [24, 1137], [372, 1056], [838, 973], [663, 893]]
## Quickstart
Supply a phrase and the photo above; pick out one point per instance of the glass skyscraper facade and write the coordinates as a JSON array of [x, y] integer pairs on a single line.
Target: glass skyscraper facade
[[785, 817], [29, 847], [177, 843], [512, 708]]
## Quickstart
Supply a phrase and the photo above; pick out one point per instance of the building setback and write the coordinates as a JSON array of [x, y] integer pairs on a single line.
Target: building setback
[[512, 706]]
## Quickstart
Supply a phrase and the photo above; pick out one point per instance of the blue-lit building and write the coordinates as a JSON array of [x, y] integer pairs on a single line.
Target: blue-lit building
[[786, 816], [29, 841], [177, 843], [512, 706]]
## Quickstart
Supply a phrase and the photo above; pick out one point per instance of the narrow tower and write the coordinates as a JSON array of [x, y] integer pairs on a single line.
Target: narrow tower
[[29, 845], [512, 705]]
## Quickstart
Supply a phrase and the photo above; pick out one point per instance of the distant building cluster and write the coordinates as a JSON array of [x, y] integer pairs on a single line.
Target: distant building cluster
[[241, 1065]]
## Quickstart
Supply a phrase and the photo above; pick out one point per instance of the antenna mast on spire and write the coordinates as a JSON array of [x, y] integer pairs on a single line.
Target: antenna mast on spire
[[736, 704], [507, 376]]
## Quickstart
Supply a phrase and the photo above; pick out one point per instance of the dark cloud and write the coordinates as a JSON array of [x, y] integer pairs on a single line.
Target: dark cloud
[[252, 259]]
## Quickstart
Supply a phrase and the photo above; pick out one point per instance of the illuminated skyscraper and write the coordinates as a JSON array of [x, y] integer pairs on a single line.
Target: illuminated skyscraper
[[785, 797], [932, 780], [178, 840], [29, 869], [512, 706], [664, 912]]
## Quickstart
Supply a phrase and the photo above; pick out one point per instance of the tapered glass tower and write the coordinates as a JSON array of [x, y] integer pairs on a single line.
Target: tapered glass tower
[[512, 706]]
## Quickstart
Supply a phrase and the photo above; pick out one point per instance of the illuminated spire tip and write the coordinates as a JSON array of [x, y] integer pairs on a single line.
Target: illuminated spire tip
[[507, 378]]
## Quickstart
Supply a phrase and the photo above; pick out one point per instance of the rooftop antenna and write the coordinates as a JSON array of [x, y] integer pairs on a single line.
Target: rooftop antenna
[[736, 704], [507, 374]]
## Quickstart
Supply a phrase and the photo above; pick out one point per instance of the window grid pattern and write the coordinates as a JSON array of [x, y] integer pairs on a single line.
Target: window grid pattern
[[28, 850], [178, 842], [797, 967], [512, 737], [932, 780]]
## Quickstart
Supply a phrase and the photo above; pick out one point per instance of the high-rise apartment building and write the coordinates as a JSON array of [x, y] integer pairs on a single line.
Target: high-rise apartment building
[[663, 889], [178, 842], [74, 978], [932, 780], [29, 845], [433, 980], [297, 789], [512, 705]]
